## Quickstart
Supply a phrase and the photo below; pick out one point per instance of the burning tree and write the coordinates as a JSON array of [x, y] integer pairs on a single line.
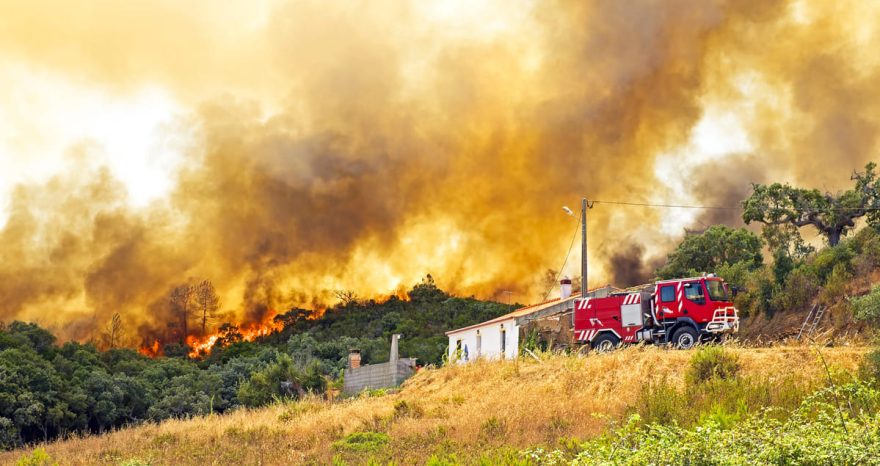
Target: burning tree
[[207, 302], [113, 334], [182, 300]]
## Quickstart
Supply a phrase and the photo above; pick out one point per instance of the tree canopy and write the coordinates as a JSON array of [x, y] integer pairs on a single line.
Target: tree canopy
[[47, 390], [717, 246], [832, 214]]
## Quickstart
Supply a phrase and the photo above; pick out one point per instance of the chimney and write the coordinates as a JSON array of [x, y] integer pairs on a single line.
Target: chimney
[[564, 288], [354, 358], [394, 351], [393, 358]]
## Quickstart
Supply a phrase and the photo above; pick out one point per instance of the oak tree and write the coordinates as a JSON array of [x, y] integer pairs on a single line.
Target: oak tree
[[832, 214]]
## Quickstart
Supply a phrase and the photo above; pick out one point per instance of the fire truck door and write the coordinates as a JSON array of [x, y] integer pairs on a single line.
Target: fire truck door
[[694, 304]]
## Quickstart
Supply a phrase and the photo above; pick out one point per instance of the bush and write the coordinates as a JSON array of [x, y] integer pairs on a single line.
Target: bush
[[38, 457], [870, 366], [761, 287], [655, 405], [813, 434], [837, 285], [281, 379], [826, 260], [362, 442], [712, 362], [800, 289], [867, 307]]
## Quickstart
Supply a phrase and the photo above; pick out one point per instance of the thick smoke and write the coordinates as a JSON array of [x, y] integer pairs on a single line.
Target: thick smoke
[[380, 146], [630, 267]]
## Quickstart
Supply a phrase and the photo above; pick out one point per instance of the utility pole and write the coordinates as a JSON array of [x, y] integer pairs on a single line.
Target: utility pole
[[584, 206]]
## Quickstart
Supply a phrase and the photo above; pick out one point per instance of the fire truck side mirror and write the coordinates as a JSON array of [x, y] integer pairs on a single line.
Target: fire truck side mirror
[[734, 290]]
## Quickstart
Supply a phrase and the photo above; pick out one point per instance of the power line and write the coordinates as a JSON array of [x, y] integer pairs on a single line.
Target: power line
[[711, 207], [673, 206], [558, 275]]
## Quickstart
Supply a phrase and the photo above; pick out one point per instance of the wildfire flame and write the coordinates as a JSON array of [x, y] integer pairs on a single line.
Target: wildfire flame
[[150, 350], [202, 345]]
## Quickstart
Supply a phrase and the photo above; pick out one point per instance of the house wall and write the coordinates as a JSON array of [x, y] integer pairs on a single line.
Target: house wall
[[490, 342]]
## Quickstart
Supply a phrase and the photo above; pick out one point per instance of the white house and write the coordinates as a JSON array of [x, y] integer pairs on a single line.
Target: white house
[[499, 338]]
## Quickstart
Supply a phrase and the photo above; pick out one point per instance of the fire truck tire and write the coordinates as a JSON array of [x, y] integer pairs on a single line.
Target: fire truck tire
[[685, 337], [605, 342]]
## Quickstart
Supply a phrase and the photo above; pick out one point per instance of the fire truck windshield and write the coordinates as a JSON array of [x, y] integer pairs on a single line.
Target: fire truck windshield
[[716, 290]]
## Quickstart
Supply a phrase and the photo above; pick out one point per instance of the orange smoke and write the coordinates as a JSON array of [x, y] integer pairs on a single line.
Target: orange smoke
[[386, 140]]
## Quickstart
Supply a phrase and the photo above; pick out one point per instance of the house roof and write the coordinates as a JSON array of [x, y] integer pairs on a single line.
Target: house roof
[[524, 311]]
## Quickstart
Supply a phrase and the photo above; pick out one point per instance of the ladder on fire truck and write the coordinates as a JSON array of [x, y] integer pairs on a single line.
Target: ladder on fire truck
[[812, 320]]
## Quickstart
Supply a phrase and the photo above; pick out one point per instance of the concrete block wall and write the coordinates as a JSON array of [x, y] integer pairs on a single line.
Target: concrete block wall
[[375, 376]]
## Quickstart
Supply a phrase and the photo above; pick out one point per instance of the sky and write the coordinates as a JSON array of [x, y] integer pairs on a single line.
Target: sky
[[288, 149]]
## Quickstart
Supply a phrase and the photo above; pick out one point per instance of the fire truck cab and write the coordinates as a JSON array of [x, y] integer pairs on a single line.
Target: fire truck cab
[[681, 312]]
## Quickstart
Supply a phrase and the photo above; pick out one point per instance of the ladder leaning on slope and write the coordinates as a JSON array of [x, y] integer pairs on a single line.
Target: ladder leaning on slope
[[812, 321]]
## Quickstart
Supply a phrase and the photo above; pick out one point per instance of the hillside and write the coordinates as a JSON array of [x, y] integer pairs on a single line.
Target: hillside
[[462, 413]]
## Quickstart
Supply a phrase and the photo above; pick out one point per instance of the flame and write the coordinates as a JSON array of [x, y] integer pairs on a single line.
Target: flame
[[150, 350], [202, 345]]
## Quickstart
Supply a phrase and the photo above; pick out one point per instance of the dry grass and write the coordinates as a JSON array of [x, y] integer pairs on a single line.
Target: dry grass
[[461, 410]]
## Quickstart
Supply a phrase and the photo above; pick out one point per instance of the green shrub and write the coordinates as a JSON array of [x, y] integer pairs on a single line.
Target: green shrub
[[279, 380], [38, 457], [362, 442], [712, 362], [761, 287], [660, 402], [800, 289], [134, 462], [837, 285], [373, 392], [493, 427], [814, 433], [866, 243], [826, 260], [870, 367], [403, 408], [867, 307]]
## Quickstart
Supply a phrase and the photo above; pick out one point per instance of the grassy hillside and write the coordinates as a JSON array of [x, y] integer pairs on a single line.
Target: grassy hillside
[[489, 410]]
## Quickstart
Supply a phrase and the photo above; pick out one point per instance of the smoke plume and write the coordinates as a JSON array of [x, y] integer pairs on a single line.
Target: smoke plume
[[361, 146]]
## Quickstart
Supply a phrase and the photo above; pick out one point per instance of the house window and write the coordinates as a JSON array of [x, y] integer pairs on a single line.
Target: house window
[[667, 294], [457, 355]]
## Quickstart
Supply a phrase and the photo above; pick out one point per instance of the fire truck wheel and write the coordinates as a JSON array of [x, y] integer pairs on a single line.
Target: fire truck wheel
[[685, 338], [605, 342]]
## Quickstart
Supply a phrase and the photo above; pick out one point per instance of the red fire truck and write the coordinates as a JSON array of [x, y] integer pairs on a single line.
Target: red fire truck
[[680, 312]]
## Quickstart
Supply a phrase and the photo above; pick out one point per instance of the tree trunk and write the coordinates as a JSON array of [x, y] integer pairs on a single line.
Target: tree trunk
[[834, 236]]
